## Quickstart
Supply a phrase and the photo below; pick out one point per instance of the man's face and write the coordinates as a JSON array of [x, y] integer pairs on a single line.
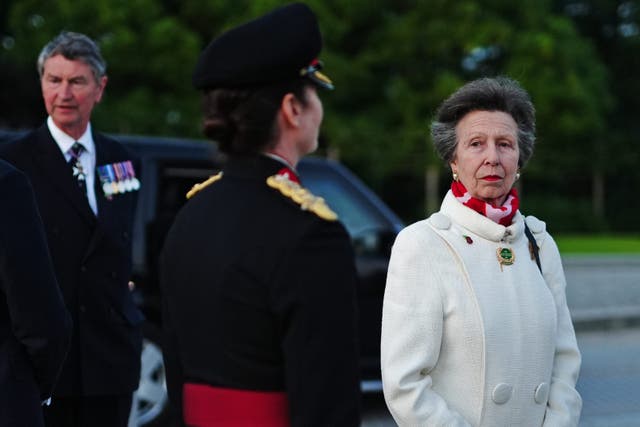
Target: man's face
[[70, 92]]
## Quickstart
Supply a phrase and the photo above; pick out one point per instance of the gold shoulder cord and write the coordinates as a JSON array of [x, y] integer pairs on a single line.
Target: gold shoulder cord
[[302, 196], [204, 184]]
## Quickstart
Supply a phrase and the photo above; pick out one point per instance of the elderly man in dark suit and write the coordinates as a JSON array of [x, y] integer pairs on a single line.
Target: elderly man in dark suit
[[85, 186], [35, 327]]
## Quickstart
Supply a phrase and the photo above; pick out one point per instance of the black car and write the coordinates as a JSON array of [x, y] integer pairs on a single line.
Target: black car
[[169, 168]]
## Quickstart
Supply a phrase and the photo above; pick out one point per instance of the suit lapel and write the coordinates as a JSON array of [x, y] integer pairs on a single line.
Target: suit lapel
[[106, 207], [51, 162]]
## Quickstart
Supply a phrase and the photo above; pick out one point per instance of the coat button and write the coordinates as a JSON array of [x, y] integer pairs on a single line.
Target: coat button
[[502, 393], [83, 309], [542, 394], [83, 269]]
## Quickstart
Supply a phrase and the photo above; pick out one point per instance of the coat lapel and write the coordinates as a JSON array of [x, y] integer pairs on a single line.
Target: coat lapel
[[53, 165]]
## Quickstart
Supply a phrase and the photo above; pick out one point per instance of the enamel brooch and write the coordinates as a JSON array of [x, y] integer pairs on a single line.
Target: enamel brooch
[[505, 256]]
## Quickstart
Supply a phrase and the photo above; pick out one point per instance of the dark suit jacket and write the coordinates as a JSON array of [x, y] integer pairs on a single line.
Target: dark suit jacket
[[35, 327], [260, 294], [92, 260]]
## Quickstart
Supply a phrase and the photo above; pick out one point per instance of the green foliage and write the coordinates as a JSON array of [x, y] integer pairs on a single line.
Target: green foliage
[[598, 244], [393, 62], [149, 57], [397, 61], [563, 214]]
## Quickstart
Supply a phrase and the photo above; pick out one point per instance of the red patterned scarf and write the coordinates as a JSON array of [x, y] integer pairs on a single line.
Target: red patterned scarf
[[500, 214]]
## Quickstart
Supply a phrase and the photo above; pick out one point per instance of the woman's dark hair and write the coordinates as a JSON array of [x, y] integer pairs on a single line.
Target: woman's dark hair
[[242, 121], [485, 94]]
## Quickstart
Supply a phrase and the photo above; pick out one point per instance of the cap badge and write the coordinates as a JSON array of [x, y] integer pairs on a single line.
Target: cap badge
[[312, 71], [302, 196]]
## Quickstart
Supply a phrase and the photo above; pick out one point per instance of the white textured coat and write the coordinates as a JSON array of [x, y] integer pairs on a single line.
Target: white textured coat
[[468, 342]]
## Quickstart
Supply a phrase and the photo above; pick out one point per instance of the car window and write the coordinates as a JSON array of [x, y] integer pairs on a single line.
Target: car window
[[356, 212], [175, 180]]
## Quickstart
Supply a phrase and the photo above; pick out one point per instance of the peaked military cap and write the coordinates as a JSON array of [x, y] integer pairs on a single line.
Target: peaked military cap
[[282, 45]]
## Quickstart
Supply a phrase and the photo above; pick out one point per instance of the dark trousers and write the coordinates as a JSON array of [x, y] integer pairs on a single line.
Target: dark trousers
[[88, 411]]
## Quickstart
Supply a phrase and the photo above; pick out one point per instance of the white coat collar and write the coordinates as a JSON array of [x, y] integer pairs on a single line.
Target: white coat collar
[[480, 224]]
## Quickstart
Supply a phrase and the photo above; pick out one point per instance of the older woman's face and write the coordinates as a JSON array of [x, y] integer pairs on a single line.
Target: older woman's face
[[486, 156]]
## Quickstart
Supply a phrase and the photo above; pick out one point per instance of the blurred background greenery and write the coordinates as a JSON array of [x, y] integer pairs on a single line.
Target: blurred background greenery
[[393, 62]]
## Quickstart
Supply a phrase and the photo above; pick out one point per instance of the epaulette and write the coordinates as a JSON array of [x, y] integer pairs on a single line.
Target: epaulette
[[204, 184], [301, 196]]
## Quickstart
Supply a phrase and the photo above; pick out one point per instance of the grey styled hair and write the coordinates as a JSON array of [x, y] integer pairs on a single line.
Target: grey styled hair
[[74, 46], [485, 94]]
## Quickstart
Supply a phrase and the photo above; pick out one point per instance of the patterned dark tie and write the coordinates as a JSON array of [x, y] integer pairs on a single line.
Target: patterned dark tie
[[78, 173]]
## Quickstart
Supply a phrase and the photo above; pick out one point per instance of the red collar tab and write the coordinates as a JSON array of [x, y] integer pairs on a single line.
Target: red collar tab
[[289, 174]]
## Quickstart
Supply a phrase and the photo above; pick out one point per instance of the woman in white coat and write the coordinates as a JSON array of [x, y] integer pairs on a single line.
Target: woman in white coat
[[476, 329]]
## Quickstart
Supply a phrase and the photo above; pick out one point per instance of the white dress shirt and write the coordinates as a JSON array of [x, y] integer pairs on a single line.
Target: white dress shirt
[[87, 157]]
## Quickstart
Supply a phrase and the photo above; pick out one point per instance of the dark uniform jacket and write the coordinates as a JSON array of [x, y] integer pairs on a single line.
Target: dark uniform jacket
[[35, 327], [259, 294], [92, 260]]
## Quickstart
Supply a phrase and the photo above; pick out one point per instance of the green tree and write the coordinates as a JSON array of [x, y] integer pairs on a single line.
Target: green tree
[[393, 62], [613, 28], [149, 57]]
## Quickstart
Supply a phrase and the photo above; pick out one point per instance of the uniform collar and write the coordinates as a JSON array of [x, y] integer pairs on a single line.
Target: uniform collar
[[255, 166], [281, 160]]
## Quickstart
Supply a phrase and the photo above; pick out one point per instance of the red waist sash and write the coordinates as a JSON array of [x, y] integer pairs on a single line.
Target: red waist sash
[[206, 406]]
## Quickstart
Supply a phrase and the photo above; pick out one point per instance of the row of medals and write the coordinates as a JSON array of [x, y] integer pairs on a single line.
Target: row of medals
[[118, 178]]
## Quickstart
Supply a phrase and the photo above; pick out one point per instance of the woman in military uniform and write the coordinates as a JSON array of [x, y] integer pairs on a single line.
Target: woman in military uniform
[[258, 274]]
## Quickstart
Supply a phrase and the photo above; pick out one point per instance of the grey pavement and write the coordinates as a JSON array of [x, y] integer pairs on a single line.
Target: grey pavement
[[609, 382], [603, 292]]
